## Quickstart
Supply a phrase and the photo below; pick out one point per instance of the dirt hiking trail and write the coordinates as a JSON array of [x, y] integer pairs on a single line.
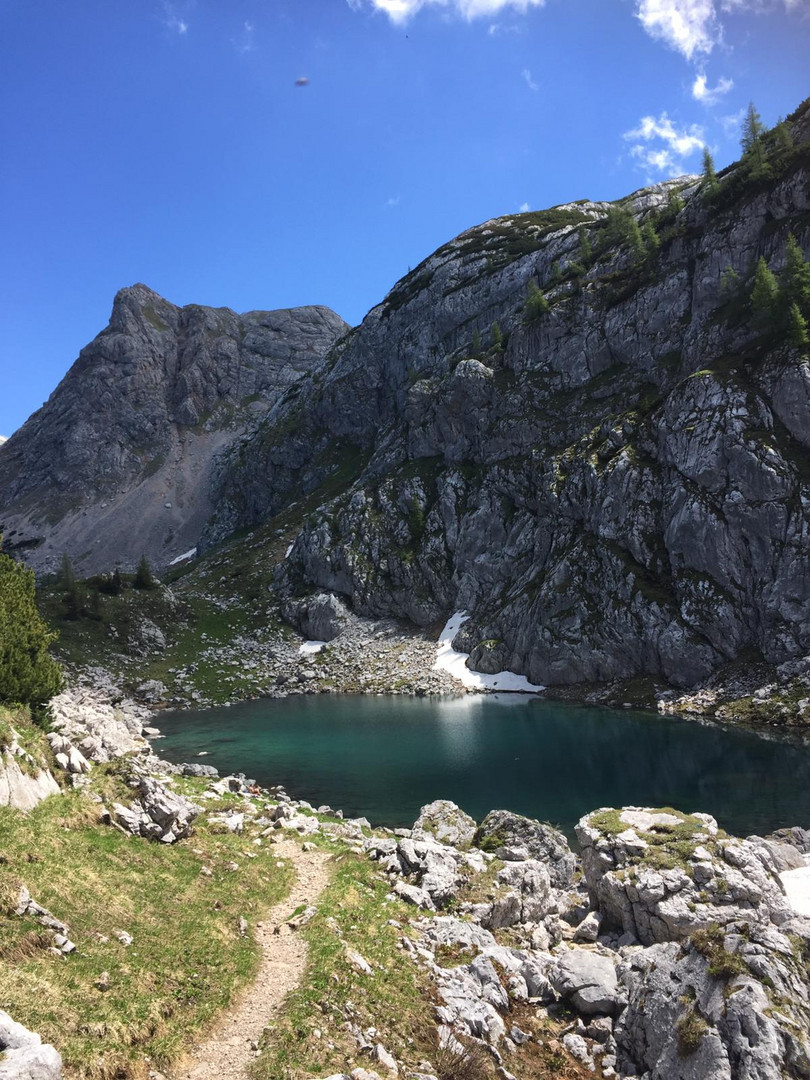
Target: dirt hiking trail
[[228, 1050]]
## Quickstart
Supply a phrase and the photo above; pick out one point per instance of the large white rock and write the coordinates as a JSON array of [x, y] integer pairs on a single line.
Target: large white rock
[[24, 1055]]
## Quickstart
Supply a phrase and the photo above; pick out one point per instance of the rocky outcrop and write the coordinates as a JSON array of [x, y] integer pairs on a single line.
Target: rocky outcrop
[[660, 876], [24, 780], [117, 462], [23, 1055], [157, 813], [616, 486]]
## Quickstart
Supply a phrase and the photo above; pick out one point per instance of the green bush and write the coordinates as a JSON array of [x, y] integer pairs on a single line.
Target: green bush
[[28, 673]]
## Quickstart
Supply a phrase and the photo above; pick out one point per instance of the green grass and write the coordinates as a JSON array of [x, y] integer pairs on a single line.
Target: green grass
[[689, 1031], [353, 910], [722, 963], [187, 957], [669, 846]]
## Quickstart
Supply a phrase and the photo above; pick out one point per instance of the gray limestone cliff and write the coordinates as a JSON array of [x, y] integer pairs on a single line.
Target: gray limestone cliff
[[117, 462], [617, 485]]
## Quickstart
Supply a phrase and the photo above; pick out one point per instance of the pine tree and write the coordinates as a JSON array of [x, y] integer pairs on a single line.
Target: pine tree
[[496, 338], [752, 130], [475, 345], [556, 273], [764, 296], [28, 673], [585, 248], [95, 604], [75, 599], [634, 239], [66, 575], [536, 304], [675, 204], [797, 328], [652, 241], [782, 140], [709, 173], [796, 281], [144, 578]]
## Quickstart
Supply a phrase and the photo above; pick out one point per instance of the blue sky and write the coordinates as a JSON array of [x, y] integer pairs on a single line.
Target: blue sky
[[166, 142]]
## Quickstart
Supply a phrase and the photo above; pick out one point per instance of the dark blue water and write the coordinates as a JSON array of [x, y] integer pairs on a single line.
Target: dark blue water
[[385, 757]]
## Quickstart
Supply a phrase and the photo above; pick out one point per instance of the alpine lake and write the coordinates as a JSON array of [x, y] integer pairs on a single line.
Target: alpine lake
[[384, 757]]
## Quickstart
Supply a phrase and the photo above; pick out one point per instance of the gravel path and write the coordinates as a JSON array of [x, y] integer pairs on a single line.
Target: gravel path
[[227, 1052]]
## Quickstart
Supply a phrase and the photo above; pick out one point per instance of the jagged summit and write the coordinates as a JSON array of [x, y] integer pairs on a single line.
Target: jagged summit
[[117, 462]]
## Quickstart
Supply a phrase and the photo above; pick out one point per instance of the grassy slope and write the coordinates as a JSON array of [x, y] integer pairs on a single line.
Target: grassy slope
[[187, 957]]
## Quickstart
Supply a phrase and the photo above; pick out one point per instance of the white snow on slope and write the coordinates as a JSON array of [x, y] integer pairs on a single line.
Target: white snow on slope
[[182, 558], [310, 647], [797, 889], [455, 663]]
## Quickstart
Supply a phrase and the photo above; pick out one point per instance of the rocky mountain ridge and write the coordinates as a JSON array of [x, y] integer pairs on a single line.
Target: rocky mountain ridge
[[117, 463], [614, 486]]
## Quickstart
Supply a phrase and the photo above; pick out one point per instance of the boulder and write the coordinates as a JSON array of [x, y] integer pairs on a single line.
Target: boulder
[[512, 836], [446, 823], [23, 1055], [588, 980], [319, 618]]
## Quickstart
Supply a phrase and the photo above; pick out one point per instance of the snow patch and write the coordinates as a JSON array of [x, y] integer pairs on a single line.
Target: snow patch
[[310, 647], [455, 664], [186, 555], [289, 549], [797, 889]]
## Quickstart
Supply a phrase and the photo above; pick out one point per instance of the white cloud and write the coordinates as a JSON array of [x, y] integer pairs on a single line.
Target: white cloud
[[393, 201], [399, 11], [693, 27], [527, 78], [661, 147], [524, 208], [710, 95], [690, 26]]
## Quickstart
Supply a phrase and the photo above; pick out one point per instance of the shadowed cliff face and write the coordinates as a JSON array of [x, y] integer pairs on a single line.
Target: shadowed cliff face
[[620, 487], [117, 462]]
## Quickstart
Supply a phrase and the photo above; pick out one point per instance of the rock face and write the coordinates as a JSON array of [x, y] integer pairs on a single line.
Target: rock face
[[617, 486], [117, 462]]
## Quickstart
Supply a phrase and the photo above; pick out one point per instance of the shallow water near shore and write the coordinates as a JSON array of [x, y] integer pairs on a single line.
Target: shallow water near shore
[[384, 757]]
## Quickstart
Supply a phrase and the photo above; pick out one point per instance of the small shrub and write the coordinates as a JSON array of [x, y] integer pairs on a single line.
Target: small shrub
[[689, 1031], [468, 1063]]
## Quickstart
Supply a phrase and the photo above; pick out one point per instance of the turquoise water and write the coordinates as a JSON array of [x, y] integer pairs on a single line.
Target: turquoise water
[[384, 757]]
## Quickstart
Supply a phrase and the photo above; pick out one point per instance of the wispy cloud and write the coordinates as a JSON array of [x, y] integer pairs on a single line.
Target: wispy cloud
[[399, 11], [245, 41], [710, 95], [393, 201], [660, 147], [524, 208], [694, 27], [732, 123], [527, 78], [172, 20]]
